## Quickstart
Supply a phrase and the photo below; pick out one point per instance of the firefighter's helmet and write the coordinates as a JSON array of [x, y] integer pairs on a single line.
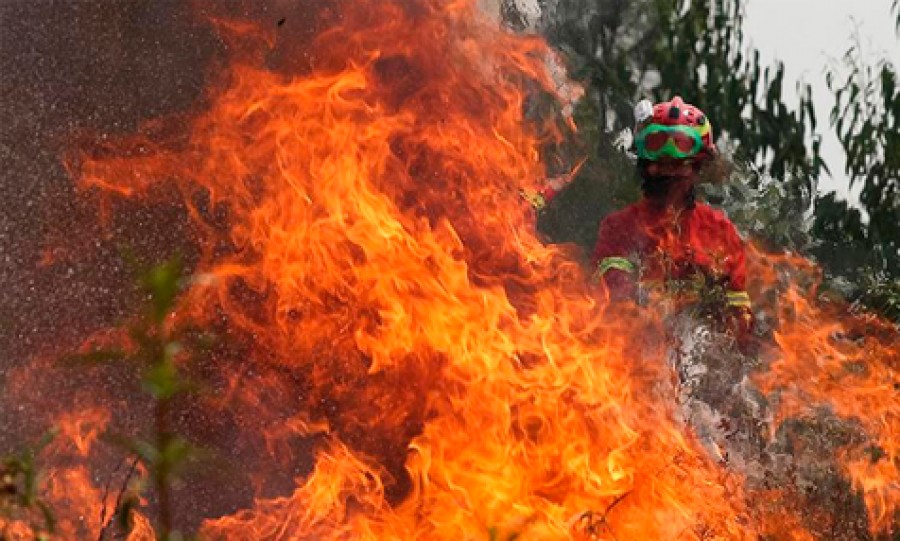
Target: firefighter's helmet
[[674, 130]]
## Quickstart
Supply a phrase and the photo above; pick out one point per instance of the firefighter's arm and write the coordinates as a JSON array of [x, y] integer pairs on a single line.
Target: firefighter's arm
[[612, 269], [539, 199]]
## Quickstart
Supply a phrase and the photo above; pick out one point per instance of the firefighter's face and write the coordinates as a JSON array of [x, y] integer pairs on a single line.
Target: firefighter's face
[[680, 169], [669, 182]]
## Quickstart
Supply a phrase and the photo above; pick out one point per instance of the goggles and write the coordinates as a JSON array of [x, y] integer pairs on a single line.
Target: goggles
[[658, 141]]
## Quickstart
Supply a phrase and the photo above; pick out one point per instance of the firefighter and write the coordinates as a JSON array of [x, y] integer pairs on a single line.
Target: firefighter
[[668, 245]]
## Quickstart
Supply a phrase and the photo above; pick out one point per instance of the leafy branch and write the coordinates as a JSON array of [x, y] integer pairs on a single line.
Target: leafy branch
[[19, 498], [160, 347]]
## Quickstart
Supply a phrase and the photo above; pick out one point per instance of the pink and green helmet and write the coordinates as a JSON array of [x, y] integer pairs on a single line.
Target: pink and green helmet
[[672, 129]]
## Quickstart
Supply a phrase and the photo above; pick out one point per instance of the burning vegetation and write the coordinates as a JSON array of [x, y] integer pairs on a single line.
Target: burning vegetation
[[373, 342]]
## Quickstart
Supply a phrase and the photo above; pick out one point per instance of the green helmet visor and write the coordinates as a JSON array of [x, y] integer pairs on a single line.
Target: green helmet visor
[[660, 141]]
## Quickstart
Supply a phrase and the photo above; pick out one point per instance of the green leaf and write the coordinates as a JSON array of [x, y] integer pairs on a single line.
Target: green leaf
[[124, 514], [162, 282], [48, 516], [176, 452], [94, 357], [162, 380]]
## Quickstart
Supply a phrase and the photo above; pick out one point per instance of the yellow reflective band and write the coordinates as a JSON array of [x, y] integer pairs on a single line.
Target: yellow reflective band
[[535, 199], [617, 263], [738, 298]]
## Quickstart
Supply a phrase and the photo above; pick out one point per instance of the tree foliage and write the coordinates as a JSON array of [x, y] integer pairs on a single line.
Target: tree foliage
[[623, 51], [863, 252]]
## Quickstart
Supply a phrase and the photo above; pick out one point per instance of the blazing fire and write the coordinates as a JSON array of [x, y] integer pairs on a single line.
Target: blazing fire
[[827, 358], [402, 357]]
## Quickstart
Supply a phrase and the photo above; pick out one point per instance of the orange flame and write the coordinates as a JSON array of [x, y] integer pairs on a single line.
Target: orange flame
[[849, 363], [373, 222]]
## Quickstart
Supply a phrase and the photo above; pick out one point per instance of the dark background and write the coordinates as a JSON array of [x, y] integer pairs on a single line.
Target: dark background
[[79, 69]]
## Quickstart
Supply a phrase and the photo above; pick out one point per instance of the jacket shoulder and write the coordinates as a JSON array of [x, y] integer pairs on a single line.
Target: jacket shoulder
[[623, 215]]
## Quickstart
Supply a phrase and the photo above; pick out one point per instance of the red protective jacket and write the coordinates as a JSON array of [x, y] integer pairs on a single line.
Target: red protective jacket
[[655, 245]]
